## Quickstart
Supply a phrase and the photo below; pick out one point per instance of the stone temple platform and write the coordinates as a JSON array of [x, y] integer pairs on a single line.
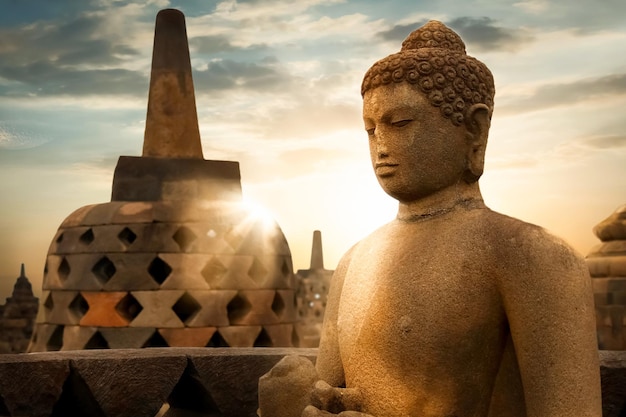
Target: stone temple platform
[[181, 382]]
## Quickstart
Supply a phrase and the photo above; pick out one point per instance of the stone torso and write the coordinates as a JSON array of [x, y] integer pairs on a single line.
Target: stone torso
[[421, 319]]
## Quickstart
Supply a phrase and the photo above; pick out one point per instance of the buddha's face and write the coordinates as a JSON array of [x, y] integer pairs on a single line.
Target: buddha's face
[[415, 151]]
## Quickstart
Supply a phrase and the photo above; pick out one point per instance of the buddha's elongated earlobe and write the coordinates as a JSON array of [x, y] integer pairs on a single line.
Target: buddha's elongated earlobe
[[477, 123]]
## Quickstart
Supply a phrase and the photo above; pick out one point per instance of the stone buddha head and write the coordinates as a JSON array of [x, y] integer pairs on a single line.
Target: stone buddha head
[[427, 111]]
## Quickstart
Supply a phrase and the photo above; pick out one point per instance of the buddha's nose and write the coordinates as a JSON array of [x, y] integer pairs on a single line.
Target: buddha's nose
[[381, 146]]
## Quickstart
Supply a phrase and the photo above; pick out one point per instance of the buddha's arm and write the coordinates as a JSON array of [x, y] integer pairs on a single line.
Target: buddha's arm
[[328, 364], [548, 300]]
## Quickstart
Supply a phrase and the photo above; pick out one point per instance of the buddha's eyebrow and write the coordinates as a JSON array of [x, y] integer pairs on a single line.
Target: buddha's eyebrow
[[395, 110]]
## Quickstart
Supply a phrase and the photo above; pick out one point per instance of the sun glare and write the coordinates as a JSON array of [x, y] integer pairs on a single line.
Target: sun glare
[[258, 213]]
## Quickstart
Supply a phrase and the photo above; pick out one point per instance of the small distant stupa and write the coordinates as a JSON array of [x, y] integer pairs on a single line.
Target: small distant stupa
[[607, 266], [176, 258], [17, 316], [312, 291]]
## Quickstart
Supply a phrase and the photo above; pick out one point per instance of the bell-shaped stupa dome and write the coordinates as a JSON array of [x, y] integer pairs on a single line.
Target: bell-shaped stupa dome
[[176, 258], [607, 266]]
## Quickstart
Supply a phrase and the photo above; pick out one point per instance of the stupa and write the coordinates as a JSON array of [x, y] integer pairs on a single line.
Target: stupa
[[607, 266], [17, 316], [176, 258], [311, 295]]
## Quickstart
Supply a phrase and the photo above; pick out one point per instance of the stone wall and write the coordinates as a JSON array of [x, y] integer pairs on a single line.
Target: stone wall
[[175, 382]]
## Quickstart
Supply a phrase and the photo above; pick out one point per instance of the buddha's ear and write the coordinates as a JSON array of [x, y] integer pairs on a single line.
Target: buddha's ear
[[477, 123]]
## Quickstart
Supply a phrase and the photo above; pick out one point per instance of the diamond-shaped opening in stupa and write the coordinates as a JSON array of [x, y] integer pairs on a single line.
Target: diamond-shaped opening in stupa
[[186, 307], [127, 236], [285, 268], [97, 341], [238, 308], [49, 303], [184, 237], [263, 340], [257, 271], [79, 306], [87, 237], [159, 270], [128, 307], [278, 304], [156, 340], [217, 340], [64, 269], [233, 238], [213, 271], [104, 270], [55, 342]]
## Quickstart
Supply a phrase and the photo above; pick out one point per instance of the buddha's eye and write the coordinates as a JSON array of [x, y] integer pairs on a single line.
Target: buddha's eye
[[370, 131], [401, 123]]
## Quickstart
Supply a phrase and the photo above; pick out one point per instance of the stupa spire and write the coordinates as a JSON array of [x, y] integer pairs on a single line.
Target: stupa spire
[[171, 121], [22, 273], [317, 255]]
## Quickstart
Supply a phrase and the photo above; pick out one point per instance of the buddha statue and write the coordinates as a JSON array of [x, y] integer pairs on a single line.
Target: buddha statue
[[451, 309]]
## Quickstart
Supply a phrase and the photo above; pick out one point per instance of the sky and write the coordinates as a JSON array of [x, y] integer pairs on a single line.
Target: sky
[[278, 89]]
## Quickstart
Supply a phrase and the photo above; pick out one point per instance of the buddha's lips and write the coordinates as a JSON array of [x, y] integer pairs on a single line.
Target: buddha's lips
[[384, 169], [385, 164]]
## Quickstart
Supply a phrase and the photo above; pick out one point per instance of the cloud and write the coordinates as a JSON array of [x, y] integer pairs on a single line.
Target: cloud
[[42, 78], [15, 137], [399, 32], [604, 142], [224, 74], [83, 54], [481, 33], [213, 44], [484, 34], [560, 94], [588, 15]]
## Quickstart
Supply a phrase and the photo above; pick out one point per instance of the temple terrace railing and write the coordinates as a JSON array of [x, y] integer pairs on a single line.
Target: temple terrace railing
[[179, 382]]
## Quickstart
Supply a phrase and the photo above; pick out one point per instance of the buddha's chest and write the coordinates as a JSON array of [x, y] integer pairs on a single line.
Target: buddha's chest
[[424, 297]]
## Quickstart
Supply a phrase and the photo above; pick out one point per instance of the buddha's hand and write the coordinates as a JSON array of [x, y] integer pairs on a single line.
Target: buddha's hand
[[331, 401]]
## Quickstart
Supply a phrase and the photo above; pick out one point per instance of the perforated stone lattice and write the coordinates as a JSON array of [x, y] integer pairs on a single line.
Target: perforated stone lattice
[[223, 279]]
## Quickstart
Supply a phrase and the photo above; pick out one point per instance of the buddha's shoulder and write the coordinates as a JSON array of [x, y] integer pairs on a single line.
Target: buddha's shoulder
[[516, 239]]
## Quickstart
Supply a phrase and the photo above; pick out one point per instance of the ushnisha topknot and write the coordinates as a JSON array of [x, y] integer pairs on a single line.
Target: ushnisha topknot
[[433, 59]]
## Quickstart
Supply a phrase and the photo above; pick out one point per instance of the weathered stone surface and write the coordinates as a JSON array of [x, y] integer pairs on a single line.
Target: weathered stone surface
[[186, 271], [613, 372], [74, 219], [252, 307], [240, 336], [31, 384], [188, 337], [176, 224], [171, 123], [420, 311], [80, 275], [613, 227], [102, 309], [607, 266], [285, 390], [127, 337], [157, 309], [107, 374], [230, 272], [78, 337], [132, 272], [219, 372], [61, 312], [134, 212], [101, 213], [50, 384], [52, 277], [213, 308], [279, 334]]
